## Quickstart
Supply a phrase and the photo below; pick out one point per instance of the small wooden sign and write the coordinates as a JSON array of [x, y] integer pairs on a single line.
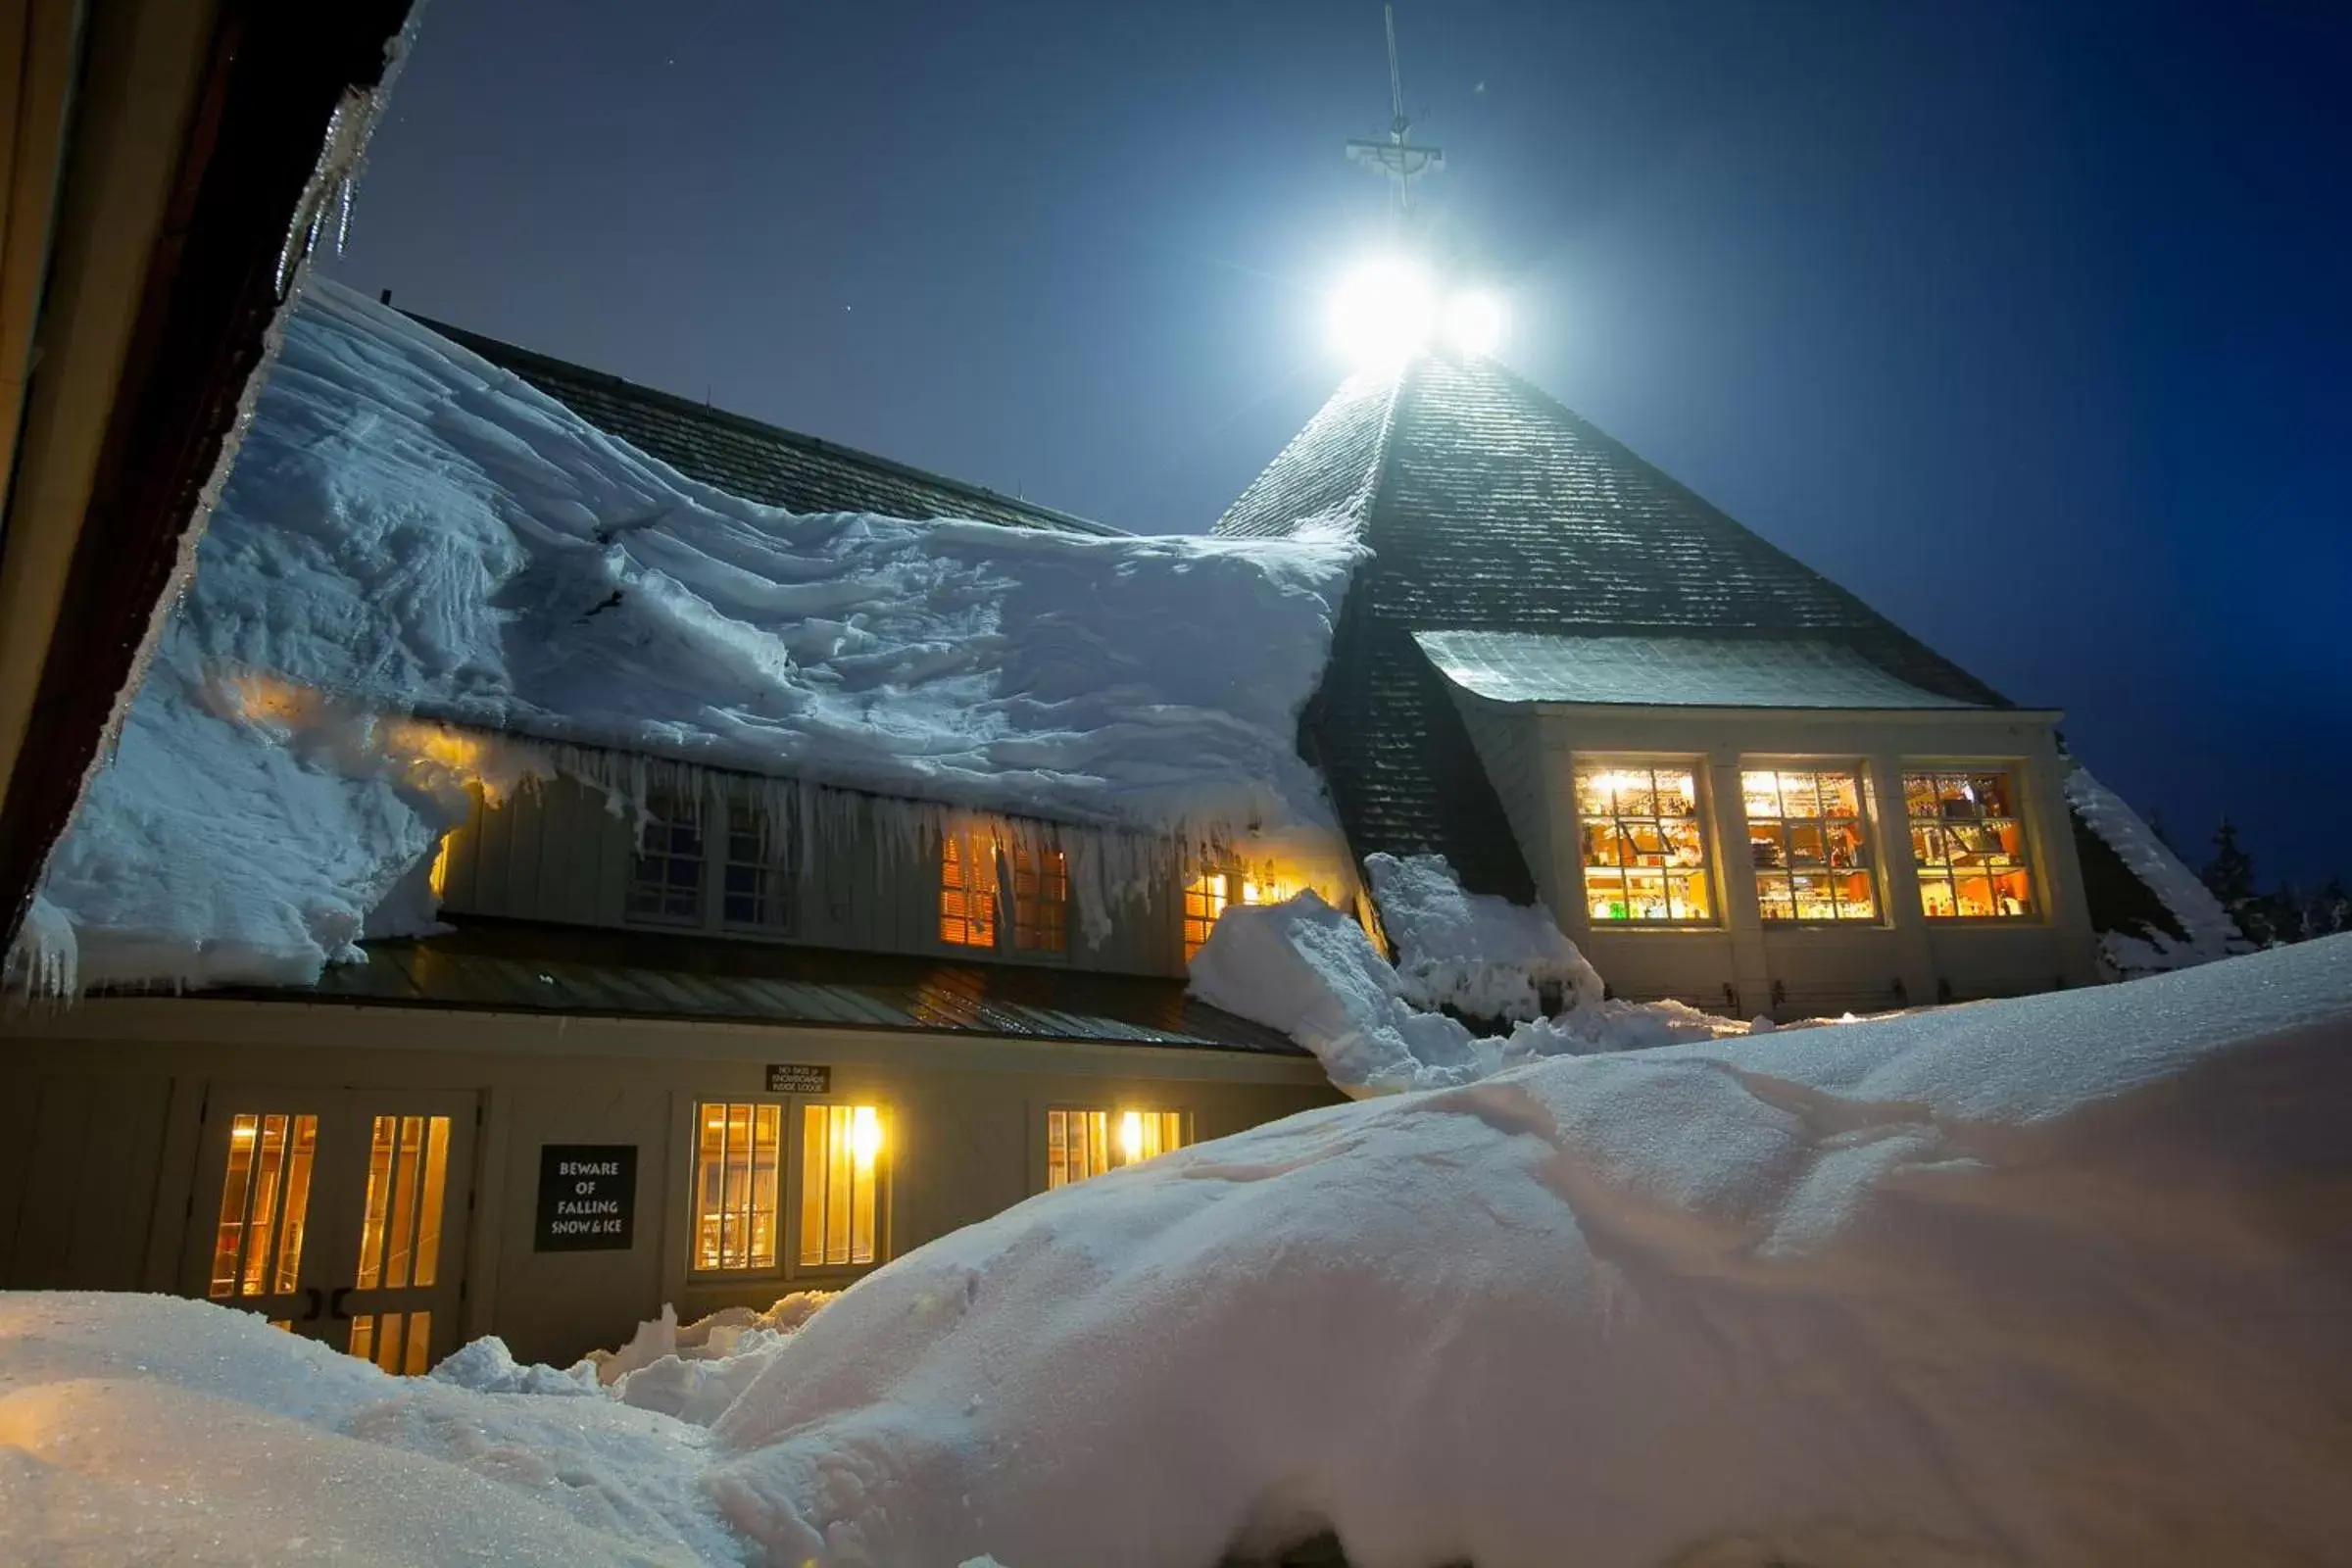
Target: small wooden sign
[[587, 1198], [798, 1078]]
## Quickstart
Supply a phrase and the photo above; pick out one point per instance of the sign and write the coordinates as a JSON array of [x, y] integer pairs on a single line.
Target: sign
[[798, 1078], [587, 1198]]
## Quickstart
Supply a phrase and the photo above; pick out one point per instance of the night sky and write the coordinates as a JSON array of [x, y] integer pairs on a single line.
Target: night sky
[[2030, 323]]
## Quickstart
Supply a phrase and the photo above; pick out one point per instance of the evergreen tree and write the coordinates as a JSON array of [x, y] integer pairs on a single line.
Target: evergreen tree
[[2329, 911], [2230, 871]]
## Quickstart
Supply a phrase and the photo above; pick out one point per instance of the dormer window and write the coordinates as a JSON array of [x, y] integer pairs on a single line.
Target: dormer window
[[756, 884], [976, 877], [665, 879]]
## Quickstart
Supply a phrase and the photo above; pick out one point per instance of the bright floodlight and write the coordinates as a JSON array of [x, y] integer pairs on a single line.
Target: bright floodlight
[[1383, 312], [1474, 322]]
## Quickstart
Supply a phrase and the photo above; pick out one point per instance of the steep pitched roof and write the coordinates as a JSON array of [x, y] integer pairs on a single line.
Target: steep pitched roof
[[760, 461], [1489, 507]]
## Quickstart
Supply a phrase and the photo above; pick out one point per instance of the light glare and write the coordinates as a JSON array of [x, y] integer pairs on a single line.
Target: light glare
[[865, 1134], [1383, 312], [1474, 322], [1131, 1136]]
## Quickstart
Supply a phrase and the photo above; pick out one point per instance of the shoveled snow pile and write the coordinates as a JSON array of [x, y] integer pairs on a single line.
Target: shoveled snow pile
[[1310, 971], [408, 530], [1480, 955], [2059, 1280], [2211, 933]]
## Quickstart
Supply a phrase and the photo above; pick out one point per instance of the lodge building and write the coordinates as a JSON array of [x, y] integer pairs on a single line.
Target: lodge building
[[704, 1057]]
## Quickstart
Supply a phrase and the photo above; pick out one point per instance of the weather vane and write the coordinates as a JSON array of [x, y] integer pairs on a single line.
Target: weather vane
[[1397, 158]]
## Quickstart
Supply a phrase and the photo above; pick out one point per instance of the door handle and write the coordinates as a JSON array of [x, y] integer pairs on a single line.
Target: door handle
[[316, 1299], [334, 1304]]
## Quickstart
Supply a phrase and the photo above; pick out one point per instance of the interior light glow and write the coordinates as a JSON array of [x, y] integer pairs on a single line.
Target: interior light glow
[[865, 1134], [1475, 321], [1131, 1136], [1384, 312]]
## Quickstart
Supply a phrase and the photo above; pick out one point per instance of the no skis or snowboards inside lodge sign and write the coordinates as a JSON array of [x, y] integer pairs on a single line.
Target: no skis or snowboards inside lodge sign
[[587, 1198]]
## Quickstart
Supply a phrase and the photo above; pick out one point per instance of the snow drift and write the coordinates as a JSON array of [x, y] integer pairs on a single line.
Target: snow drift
[[1310, 971], [2060, 1280], [408, 530]]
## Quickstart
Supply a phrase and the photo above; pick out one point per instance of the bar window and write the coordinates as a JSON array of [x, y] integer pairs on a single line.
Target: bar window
[[756, 881], [1086, 1143], [1207, 895], [1968, 841], [1041, 901], [665, 879], [736, 1163], [265, 1205], [967, 893], [841, 1155], [1806, 834], [1644, 844]]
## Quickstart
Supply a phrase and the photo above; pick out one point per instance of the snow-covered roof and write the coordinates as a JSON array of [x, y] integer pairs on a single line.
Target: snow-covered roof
[[411, 532], [1668, 672]]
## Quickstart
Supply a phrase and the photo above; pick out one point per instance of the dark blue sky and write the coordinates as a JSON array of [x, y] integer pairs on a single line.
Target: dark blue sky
[[2031, 323]]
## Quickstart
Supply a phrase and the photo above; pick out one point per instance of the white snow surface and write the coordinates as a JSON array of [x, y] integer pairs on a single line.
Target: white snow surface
[[408, 530], [1484, 955], [2211, 932], [2058, 1279], [1310, 971]]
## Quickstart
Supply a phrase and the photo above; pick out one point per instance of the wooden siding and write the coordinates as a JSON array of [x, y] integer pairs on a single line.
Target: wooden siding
[[556, 853]]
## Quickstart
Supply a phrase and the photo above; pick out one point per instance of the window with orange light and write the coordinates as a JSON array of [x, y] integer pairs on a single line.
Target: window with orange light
[[1644, 843], [1967, 845], [1810, 844], [967, 893], [1080, 1144], [842, 1155], [737, 1162], [1207, 895]]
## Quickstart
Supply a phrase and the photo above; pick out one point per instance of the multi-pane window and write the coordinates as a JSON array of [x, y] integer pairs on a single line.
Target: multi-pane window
[[1643, 845], [841, 1150], [265, 1205], [736, 1164], [1806, 834], [400, 1236], [1968, 841], [1041, 900], [755, 883], [1205, 897], [967, 893], [666, 880], [1086, 1143]]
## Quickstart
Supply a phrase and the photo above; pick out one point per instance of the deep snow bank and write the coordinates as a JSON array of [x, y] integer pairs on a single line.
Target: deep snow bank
[[408, 530], [2059, 1280], [1310, 971]]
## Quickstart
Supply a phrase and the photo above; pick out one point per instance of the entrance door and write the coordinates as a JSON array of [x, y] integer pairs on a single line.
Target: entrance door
[[339, 1215]]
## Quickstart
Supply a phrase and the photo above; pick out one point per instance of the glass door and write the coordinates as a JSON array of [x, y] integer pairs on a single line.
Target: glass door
[[339, 1215]]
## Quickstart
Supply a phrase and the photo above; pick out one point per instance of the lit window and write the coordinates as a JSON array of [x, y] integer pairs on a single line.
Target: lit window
[[1805, 832], [735, 1170], [1210, 894], [1205, 899], [841, 1150], [967, 893], [1041, 901], [1968, 841], [1086, 1143], [756, 882], [665, 881], [265, 1205], [1644, 849]]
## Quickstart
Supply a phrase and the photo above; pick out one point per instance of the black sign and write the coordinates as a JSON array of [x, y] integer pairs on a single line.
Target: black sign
[[587, 1198], [798, 1078]]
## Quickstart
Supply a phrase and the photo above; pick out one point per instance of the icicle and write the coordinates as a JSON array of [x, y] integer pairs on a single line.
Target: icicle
[[45, 960]]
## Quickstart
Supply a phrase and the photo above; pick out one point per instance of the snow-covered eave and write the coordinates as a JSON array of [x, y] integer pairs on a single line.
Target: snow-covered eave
[[1755, 713]]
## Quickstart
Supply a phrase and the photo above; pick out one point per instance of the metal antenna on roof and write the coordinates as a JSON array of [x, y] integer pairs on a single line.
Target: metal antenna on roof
[[1397, 158]]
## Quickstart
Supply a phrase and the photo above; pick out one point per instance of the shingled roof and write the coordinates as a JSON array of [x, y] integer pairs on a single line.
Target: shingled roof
[[760, 461], [1491, 508]]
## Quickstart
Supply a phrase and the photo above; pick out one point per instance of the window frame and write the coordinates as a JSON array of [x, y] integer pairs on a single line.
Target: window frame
[[1013, 919], [1866, 819], [791, 1189], [1043, 1122], [783, 875], [1702, 814], [2013, 771], [674, 820]]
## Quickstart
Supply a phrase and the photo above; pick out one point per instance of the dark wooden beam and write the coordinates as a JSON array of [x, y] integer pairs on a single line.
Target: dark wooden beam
[[274, 75]]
